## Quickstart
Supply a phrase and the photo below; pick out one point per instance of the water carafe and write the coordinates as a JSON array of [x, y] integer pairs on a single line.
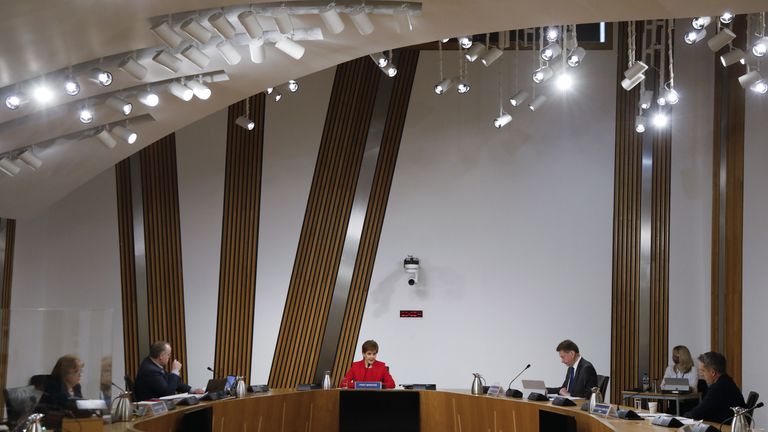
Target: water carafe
[[327, 380], [740, 420], [477, 384], [595, 398], [121, 408]]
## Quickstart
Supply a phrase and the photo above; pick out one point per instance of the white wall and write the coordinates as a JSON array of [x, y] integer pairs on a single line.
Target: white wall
[[755, 294], [67, 258], [290, 153], [691, 198], [512, 226], [200, 156]]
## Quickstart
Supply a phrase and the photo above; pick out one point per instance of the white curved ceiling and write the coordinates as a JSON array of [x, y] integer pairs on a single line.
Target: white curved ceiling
[[42, 36]]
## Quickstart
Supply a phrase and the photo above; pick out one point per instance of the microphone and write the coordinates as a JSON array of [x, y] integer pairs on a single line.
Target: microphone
[[760, 405], [118, 387], [513, 392], [212, 371]]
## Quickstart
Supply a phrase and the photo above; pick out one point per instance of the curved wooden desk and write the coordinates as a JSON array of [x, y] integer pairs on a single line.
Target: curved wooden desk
[[318, 411]]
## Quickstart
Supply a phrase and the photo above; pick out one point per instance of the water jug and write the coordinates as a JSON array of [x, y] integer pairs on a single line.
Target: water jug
[[121, 408], [240, 387], [327, 380], [34, 423], [740, 421], [477, 384], [595, 398]]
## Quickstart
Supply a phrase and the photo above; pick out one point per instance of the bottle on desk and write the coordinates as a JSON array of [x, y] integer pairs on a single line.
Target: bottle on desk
[[327, 380], [646, 382]]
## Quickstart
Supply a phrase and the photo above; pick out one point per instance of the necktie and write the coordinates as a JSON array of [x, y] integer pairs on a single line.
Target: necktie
[[570, 378]]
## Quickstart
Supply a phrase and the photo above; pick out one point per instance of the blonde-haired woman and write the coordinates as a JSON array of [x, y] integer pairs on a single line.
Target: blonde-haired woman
[[682, 366]]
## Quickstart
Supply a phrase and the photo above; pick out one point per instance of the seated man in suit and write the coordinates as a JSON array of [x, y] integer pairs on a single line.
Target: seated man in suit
[[722, 393], [152, 381], [368, 369], [581, 375]]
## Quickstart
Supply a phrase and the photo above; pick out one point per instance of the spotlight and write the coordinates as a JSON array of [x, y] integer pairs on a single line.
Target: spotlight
[[170, 61], [256, 48], [660, 120], [332, 20], [86, 115], [119, 104], [640, 124], [576, 56], [245, 123], [293, 86], [167, 34], [29, 158], [661, 100], [380, 59], [637, 68], [502, 120], [760, 87], [133, 68], [721, 39], [475, 51], [726, 17], [444, 85], [283, 22], [148, 98], [42, 94], [269, 90], [564, 81], [102, 77], [403, 21], [361, 21], [14, 101], [222, 25], [9, 167], [445, 40], [290, 47], [550, 51], [671, 96], [196, 30], [750, 78], [389, 70], [278, 96], [733, 56], [71, 86], [106, 139], [196, 56], [646, 98], [694, 36], [491, 56], [701, 22], [537, 103], [199, 89], [552, 34], [465, 42], [229, 52], [125, 134], [518, 98], [629, 84], [760, 48], [250, 24], [181, 91], [542, 74], [463, 87]]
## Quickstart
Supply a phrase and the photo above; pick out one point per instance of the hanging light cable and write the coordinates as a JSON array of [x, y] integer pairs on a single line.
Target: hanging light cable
[[521, 95], [671, 96], [444, 84], [244, 121], [463, 85], [634, 73], [504, 118], [539, 100]]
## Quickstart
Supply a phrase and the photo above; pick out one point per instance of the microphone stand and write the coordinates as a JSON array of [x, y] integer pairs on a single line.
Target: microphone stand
[[516, 393]]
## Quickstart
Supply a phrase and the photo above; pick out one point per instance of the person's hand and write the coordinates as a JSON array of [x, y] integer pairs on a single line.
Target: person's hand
[[564, 392], [176, 367], [198, 391]]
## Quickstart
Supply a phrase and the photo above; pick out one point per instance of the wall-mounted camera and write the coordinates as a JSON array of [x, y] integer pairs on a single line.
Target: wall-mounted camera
[[411, 266]]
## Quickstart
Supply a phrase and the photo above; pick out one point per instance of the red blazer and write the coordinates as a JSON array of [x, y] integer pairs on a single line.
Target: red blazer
[[377, 372]]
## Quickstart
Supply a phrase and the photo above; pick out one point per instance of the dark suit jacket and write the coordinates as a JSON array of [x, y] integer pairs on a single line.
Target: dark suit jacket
[[718, 400], [584, 378], [55, 395], [152, 382]]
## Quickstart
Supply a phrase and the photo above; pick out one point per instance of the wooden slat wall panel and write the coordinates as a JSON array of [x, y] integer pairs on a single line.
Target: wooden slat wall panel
[[5, 305], [325, 223], [127, 268], [165, 291], [734, 202], [374, 217], [626, 233], [239, 240]]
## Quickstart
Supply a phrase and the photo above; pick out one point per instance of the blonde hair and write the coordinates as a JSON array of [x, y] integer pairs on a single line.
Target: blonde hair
[[686, 361], [65, 365]]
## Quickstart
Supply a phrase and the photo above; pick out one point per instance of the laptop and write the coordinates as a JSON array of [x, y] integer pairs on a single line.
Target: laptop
[[219, 384], [534, 386], [675, 384]]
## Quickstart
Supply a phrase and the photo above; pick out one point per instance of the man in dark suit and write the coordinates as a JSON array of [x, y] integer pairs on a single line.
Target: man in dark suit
[[152, 381], [722, 393], [581, 375]]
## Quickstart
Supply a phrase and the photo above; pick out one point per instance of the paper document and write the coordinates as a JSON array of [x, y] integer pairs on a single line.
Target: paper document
[[176, 396]]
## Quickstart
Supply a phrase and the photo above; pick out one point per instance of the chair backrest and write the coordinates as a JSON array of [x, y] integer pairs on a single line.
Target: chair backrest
[[39, 381], [129, 384], [21, 401], [602, 383], [752, 399]]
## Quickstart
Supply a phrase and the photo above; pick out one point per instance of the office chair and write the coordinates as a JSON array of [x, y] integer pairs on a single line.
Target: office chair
[[602, 384], [129, 384]]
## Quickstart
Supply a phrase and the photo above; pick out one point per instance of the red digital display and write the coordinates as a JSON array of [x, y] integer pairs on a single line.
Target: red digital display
[[411, 314]]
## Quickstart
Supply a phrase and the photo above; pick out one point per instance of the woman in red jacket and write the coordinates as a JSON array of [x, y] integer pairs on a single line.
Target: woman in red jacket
[[368, 369]]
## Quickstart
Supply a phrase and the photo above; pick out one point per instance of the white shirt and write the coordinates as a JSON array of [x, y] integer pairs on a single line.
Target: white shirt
[[692, 375]]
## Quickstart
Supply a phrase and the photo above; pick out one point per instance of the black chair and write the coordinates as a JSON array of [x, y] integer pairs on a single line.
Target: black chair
[[20, 402], [39, 381], [752, 399], [602, 384], [129, 384]]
